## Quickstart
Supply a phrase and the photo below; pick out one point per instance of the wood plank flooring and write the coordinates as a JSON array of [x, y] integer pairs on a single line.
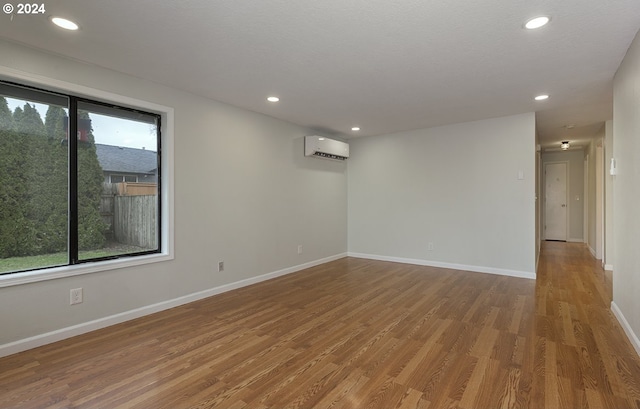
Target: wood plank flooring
[[355, 334]]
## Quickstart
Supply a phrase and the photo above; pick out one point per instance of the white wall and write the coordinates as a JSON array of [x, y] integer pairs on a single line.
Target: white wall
[[595, 193], [575, 158], [592, 193], [538, 209], [608, 201], [244, 193], [455, 186], [626, 192]]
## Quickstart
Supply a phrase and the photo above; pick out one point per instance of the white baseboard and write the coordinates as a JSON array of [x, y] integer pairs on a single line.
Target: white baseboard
[[592, 251], [626, 327], [576, 241], [477, 269], [608, 267], [72, 331]]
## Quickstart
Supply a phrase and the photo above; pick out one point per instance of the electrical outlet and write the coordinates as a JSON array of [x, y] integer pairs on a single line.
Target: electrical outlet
[[299, 248], [75, 296], [430, 246], [220, 266]]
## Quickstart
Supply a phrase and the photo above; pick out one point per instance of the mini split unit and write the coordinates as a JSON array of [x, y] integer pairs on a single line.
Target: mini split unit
[[325, 148]]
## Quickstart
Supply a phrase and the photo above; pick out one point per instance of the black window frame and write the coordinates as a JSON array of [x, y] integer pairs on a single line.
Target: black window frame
[[29, 92]]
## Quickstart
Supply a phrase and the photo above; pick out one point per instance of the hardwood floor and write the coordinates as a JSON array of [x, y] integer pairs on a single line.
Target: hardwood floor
[[355, 334]]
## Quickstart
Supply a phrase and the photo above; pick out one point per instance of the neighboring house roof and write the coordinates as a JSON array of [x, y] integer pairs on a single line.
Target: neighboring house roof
[[126, 160]]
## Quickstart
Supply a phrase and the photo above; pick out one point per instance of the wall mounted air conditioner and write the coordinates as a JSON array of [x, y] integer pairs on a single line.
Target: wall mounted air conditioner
[[325, 148]]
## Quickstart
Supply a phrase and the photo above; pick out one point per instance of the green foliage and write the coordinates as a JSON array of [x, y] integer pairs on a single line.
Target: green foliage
[[34, 181], [52, 205], [17, 115], [54, 122], [29, 122], [16, 230], [91, 227], [6, 118]]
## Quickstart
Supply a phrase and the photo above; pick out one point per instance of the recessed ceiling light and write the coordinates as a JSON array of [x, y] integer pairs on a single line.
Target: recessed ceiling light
[[536, 22], [541, 97], [64, 23], [355, 128], [273, 99]]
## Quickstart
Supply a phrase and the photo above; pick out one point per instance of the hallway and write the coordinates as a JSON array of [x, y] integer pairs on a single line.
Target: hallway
[[583, 356]]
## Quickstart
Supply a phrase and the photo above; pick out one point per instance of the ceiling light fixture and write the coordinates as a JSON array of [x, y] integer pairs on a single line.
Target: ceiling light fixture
[[273, 99], [564, 145], [355, 128], [536, 22], [541, 97], [64, 23]]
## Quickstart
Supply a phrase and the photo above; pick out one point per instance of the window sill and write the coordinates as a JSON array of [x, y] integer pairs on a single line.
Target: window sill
[[53, 273]]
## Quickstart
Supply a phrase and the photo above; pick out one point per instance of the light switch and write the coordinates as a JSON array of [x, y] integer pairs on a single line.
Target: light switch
[[520, 175]]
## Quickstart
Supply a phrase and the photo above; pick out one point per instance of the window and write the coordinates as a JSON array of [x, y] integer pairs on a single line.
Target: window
[[56, 205], [122, 178]]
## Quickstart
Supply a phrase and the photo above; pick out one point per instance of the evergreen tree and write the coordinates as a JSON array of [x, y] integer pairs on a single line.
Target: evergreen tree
[[54, 123], [91, 227], [17, 115], [29, 121], [36, 170], [16, 230], [9, 182], [55, 208], [6, 118], [34, 180]]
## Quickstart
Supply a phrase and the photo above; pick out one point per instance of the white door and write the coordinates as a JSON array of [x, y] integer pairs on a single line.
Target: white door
[[555, 201]]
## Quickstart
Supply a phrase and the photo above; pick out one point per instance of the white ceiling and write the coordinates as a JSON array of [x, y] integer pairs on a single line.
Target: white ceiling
[[386, 66]]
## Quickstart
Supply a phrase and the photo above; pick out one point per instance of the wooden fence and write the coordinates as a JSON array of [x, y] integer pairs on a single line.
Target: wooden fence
[[136, 189], [107, 207], [131, 217], [135, 220]]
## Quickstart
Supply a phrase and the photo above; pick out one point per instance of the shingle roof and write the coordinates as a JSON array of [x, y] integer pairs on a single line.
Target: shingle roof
[[130, 160]]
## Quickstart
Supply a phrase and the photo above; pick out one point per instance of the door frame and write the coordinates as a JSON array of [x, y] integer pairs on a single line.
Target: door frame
[[544, 195], [599, 244], [585, 204]]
